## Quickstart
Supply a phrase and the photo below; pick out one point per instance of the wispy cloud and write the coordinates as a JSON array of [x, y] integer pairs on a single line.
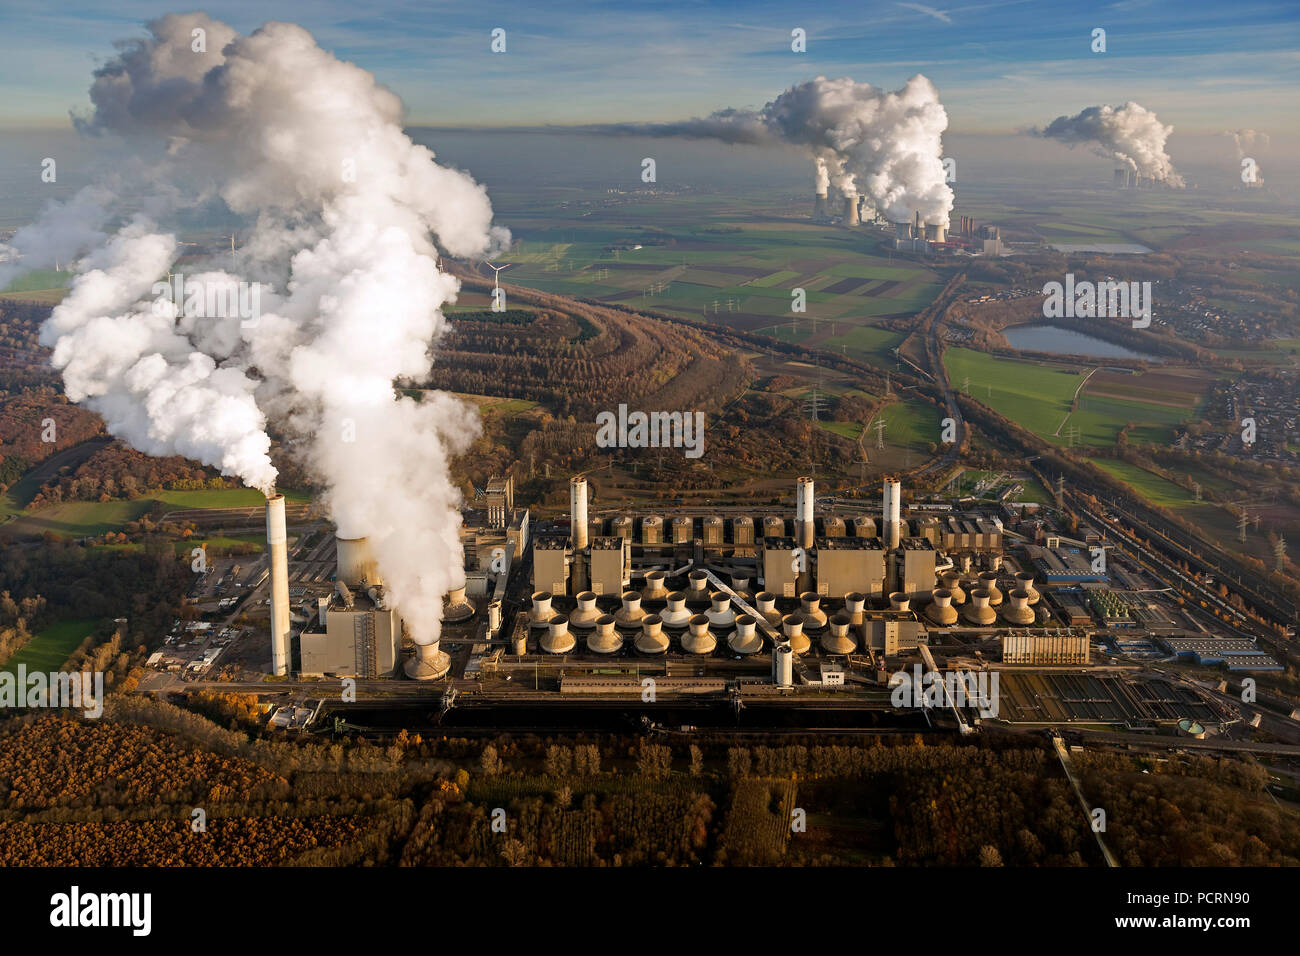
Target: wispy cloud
[[928, 11]]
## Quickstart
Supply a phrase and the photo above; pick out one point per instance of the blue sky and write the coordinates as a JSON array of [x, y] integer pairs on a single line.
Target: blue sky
[[999, 65]]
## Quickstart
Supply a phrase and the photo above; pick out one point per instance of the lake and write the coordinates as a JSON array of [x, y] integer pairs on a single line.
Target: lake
[[1060, 341]]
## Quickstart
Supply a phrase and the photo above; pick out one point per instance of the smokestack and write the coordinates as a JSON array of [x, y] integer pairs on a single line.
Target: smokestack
[[891, 511], [578, 511], [277, 545], [851, 211], [803, 512]]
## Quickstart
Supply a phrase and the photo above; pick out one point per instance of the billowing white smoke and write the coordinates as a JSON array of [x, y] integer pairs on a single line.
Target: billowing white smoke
[[340, 207], [1129, 134], [821, 178], [886, 146], [1248, 143]]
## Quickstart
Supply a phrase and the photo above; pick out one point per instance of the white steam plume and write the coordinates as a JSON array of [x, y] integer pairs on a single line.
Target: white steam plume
[[886, 146], [1129, 134], [341, 211]]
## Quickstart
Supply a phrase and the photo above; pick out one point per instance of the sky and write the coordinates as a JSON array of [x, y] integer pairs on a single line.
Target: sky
[[999, 65]]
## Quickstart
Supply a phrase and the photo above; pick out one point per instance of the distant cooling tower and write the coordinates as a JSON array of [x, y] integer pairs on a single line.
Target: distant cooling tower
[[277, 544], [1121, 178], [851, 211], [903, 230], [821, 206], [936, 232]]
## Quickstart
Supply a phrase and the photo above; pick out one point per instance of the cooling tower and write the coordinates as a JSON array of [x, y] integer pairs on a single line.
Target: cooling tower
[[721, 614], [1025, 582], [655, 587], [699, 640], [792, 626], [899, 601], [630, 614], [803, 512], [952, 583], [277, 546], [740, 585], [941, 611], [765, 602], [355, 563], [903, 230], [697, 586], [578, 511], [605, 639], [989, 582], [541, 613], [429, 663], [557, 639], [456, 609], [1121, 178], [851, 211], [745, 639], [652, 639], [978, 612], [587, 613], [821, 206], [1018, 611], [855, 604], [838, 640], [936, 232], [814, 618], [675, 614], [891, 509]]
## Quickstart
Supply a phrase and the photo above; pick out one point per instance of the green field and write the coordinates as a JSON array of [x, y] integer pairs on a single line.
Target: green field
[[1150, 486], [49, 650], [1034, 396], [912, 424]]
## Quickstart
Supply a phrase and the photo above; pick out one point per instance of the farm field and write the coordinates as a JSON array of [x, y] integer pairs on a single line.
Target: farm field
[[1150, 486], [49, 650]]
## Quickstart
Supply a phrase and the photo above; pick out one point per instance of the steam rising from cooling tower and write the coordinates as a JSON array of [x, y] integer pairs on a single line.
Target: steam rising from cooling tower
[[340, 212], [863, 140], [1130, 134], [1248, 142]]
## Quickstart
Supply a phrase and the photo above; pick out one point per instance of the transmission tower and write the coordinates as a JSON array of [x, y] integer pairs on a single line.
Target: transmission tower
[[1196, 487], [1242, 520], [1279, 550], [880, 434]]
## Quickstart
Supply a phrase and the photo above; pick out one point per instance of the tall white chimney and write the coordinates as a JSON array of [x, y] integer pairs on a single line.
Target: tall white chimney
[[891, 511], [803, 512], [578, 511], [277, 543]]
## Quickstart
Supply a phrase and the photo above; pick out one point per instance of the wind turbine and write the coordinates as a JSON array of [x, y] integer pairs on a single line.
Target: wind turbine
[[496, 274]]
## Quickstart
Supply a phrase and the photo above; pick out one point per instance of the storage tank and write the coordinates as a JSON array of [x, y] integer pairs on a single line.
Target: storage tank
[[584, 618], [698, 639], [630, 614], [940, 610], [675, 614], [745, 639], [838, 639], [557, 639], [783, 665], [605, 639], [652, 639]]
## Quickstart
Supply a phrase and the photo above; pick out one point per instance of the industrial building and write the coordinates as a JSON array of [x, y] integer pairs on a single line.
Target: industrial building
[[355, 632]]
